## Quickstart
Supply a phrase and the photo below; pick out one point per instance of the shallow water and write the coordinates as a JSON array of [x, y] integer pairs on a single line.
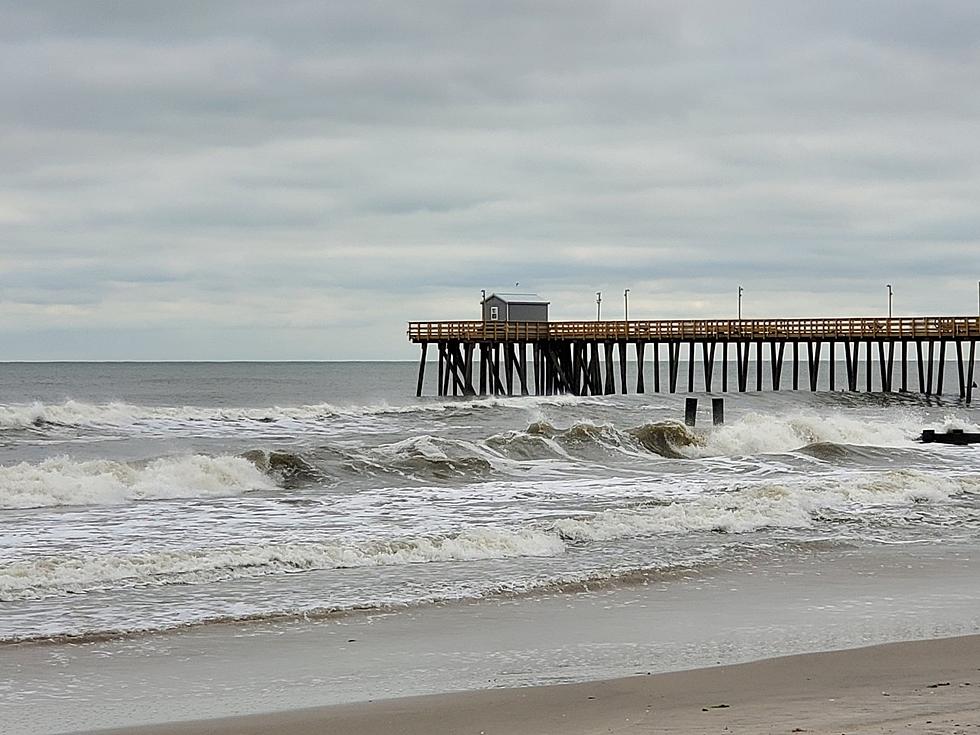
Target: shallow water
[[155, 496]]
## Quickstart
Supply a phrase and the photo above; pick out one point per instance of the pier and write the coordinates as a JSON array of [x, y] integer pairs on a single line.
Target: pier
[[578, 357]]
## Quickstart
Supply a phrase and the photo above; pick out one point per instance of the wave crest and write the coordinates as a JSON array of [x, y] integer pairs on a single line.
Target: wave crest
[[63, 481], [57, 575]]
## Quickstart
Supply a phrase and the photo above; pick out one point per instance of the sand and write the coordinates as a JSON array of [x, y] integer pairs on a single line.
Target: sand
[[928, 686]]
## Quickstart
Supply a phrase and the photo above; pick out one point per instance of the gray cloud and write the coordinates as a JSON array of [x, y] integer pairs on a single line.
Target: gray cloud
[[296, 180]]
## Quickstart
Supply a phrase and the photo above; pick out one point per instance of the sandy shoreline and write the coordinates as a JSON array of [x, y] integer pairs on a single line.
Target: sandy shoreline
[[930, 686], [531, 664]]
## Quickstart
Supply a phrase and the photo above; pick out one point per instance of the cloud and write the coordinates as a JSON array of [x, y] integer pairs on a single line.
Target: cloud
[[324, 172]]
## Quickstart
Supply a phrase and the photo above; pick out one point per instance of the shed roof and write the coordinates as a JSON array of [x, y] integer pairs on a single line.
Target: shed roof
[[519, 298]]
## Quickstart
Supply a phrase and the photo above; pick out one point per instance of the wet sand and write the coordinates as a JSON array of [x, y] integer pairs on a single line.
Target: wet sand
[[531, 663], [920, 686]]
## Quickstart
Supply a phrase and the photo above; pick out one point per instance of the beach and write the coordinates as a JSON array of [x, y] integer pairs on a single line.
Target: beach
[[671, 646], [920, 686]]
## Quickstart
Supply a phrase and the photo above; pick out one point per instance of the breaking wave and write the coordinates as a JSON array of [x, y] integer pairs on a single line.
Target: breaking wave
[[42, 577], [118, 414], [767, 505], [63, 481], [737, 510]]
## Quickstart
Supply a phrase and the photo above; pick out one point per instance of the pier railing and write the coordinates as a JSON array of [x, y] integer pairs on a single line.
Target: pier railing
[[904, 328]]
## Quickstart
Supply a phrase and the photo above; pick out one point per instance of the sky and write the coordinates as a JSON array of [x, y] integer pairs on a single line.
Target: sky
[[296, 180]]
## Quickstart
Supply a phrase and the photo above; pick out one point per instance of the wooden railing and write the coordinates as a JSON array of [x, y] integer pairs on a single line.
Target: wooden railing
[[905, 328]]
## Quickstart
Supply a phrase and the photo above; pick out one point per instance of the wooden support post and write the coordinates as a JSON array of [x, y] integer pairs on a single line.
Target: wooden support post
[[738, 366], [561, 360], [758, 365], [796, 365], [969, 379], [460, 384], [536, 366], [418, 391], [851, 356], [656, 367], [922, 367], [522, 367], [833, 365], [545, 373], [942, 367], [595, 371], [577, 360], [776, 362], [496, 369], [509, 368], [622, 367], [441, 390], [891, 362], [546, 384], [882, 367], [813, 363], [585, 369], [486, 362], [485, 367], [932, 354], [868, 362], [690, 367], [607, 351], [959, 367], [498, 386], [565, 360], [708, 361], [640, 348], [450, 371], [724, 367], [743, 349], [468, 369], [905, 366], [673, 360], [690, 411]]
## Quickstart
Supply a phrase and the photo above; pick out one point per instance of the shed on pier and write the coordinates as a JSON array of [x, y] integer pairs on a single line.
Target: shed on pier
[[515, 307]]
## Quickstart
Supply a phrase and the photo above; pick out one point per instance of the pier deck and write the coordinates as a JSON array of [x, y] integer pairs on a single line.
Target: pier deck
[[567, 353]]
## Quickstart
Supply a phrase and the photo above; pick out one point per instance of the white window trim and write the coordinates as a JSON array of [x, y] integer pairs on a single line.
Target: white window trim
[[495, 313]]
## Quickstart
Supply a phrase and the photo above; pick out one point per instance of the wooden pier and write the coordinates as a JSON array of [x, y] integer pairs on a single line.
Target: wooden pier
[[578, 357]]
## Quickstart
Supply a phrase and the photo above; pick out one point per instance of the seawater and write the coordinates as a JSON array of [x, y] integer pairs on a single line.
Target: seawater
[[138, 497]]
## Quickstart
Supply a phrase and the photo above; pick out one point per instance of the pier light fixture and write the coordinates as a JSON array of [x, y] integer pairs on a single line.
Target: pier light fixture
[[598, 305], [626, 305], [890, 295], [740, 303]]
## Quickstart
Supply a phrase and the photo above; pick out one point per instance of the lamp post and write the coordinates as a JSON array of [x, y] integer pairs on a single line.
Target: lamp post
[[890, 294], [740, 303], [626, 304], [598, 305], [483, 303]]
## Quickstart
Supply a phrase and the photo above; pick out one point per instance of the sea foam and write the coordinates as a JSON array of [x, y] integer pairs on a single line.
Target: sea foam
[[86, 572], [64, 481], [768, 505]]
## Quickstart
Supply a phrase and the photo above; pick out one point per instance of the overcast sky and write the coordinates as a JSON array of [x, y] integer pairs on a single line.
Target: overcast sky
[[296, 180]]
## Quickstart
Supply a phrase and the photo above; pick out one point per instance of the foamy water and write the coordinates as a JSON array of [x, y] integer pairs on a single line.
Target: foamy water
[[143, 497]]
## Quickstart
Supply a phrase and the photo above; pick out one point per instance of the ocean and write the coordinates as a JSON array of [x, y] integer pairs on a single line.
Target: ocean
[[156, 497]]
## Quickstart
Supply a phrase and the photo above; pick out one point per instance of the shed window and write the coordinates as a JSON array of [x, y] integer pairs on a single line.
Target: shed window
[[495, 313]]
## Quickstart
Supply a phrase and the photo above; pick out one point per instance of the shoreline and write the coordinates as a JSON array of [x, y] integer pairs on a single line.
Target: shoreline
[[525, 646], [919, 686]]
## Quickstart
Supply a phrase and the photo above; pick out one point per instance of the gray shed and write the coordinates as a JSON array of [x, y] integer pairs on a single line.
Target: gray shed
[[515, 307]]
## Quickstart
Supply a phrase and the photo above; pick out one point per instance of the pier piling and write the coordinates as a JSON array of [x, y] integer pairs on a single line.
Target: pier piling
[[690, 411]]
